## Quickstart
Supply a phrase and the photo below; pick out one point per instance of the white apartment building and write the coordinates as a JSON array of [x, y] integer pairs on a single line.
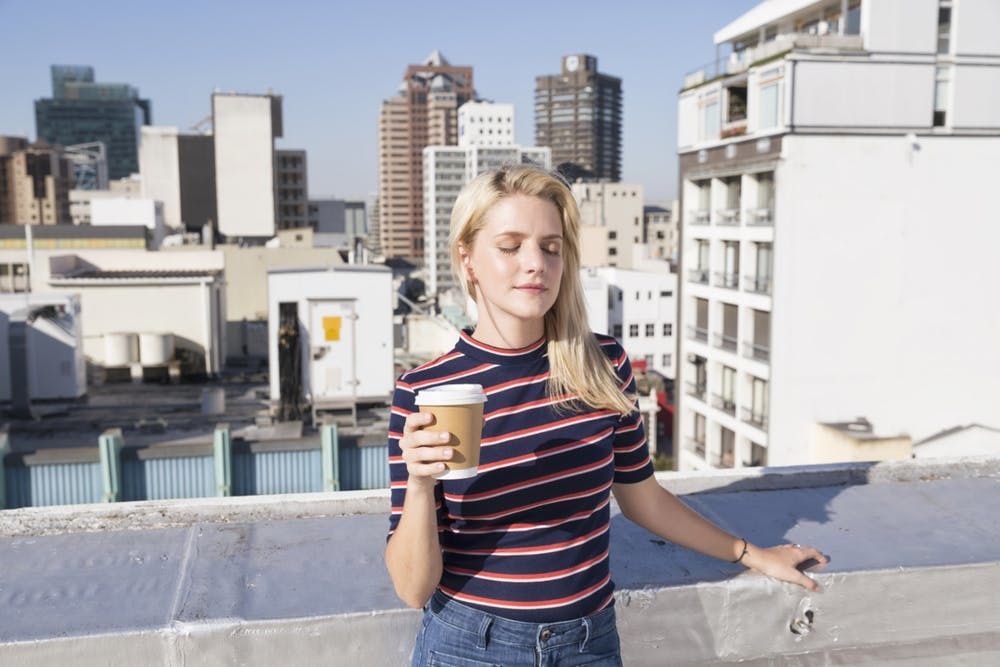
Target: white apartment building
[[486, 124], [837, 225], [636, 307], [660, 230], [447, 169], [611, 222], [245, 127]]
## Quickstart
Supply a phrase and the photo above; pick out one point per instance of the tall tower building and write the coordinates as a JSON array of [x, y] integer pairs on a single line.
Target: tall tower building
[[835, 175], [36, 183], [245, 127], [178, 169], [578, 114], [423, 113], [82, 111]]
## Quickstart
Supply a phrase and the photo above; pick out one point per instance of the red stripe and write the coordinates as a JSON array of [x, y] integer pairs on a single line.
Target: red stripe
[[562, 474], [514, 383], [548, 501], [525, 406], [632, 468], [625, 449], [500, 350], [492, 440], [433, 362], [539, 604], [503, 463], [538, 576], [445, 378], [532, 550], [519, 527]]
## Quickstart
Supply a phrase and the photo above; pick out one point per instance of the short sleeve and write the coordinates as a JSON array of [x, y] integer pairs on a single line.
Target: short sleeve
[[402, 405], [632, 462]]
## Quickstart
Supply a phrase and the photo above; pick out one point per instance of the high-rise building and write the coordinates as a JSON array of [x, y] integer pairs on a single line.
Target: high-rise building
[[447, 169], [835, 172], [578, 114], [178, 169], [245, 127], [82, 111], [36, 182], [423, 113], [292, 188]]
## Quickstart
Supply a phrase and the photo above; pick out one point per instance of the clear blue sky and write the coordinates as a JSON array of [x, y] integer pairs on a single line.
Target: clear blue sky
[[335, 61]]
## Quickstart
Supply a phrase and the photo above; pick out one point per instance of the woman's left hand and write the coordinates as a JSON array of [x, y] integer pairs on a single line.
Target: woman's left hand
[[782, 561]]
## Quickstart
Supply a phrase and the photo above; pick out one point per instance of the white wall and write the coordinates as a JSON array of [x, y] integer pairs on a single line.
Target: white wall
[[900, 26], [486, 124], [159, 165], [244, 164], [974, 27], [883, 306], [140, 212], [850, 94], [976, 101]]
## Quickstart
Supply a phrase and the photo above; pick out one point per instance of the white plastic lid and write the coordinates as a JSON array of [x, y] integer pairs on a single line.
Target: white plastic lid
[[452, 394]]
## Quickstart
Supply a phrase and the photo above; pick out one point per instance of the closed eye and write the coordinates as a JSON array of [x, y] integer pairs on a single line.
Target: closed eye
[[554, 251]]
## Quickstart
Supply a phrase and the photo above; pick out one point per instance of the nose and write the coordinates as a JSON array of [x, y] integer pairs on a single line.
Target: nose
[[534, 259]]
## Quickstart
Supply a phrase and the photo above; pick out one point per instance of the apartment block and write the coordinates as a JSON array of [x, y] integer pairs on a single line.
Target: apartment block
[[36, 179], [424, 112], [291, 188], [835, 171], [178, 169], [611, 219]]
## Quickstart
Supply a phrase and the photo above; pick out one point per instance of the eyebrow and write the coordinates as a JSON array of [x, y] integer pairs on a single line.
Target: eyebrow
[[522, 235]]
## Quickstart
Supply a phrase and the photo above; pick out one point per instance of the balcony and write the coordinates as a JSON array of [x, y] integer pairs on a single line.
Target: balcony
[[725, 342], [728, 280], [697, 333], [699, 217], [698, 276], [727, 217], [757, 352], [757, 284], [759, 217], [254, 579], [724, 403], [724, 459], [695, 389], [754, 418], [695, 446]]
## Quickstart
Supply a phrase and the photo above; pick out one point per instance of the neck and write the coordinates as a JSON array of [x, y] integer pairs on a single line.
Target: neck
[[505, 331]]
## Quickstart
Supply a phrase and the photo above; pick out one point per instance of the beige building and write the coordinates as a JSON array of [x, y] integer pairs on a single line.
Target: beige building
[[36, 183], [423, 113], [611, 222], [660, 231]]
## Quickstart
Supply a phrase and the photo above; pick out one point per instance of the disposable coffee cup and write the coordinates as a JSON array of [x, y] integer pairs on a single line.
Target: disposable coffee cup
[[458, 410]]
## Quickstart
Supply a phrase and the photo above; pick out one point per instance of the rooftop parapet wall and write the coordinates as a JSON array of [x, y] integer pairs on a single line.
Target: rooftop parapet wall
[[300, 580]]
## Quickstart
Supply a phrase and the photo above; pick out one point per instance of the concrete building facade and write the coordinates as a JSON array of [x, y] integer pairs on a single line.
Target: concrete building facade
[[817, 165], [292, 189], [486, 124], [178, 169], [578, 114], [611, 218], [37, 179], [423, 113], [245, 127]]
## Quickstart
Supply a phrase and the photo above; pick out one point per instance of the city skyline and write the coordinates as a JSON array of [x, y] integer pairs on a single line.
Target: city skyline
[[344, 61]]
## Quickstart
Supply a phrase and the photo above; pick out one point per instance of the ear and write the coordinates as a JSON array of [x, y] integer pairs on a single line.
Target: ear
[[466, 258]]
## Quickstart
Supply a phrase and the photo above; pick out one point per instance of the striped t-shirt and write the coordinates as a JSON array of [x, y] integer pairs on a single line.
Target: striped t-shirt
[[527, 537]]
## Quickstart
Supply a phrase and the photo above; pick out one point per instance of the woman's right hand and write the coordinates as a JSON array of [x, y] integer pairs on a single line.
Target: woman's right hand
[[424, 451]]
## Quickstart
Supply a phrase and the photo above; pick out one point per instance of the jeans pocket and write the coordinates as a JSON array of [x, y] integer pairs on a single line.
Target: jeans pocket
[[438, 659]]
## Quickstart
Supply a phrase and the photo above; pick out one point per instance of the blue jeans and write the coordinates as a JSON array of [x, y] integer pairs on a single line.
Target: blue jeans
[[456, 635]]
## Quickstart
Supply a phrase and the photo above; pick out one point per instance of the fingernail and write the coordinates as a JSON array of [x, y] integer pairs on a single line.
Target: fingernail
[[446, 451], [443, 437]]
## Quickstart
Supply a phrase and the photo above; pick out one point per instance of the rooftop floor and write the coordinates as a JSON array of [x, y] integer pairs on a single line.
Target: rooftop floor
[[300, 579]]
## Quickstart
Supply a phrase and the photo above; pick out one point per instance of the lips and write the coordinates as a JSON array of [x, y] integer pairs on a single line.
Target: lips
[[532, 288]]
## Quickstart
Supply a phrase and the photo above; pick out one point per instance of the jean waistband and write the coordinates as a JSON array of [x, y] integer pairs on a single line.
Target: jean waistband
[[520, 633]]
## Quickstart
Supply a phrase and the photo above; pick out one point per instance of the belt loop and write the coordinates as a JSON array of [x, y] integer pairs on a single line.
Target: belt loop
[[586, 634], [484, 632]]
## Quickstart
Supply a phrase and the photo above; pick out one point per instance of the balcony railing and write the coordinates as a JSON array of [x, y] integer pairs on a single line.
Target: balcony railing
[[759, 284], [760, 217], [724, 342], [699, 334], [698, 276], [724, 459], [758, 352], [728, 217], [729, 280], [699, 217], [695, 389], [724, 403], [695, 446], [754, 418]]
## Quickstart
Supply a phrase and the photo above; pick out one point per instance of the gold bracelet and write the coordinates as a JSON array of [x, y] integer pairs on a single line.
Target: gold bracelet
[[745, 550]]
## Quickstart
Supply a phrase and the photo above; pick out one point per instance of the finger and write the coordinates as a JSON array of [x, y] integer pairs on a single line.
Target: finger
[[427, 454], [416, 421], [424, 438], [805, 581], [814, 553], [425, 469]]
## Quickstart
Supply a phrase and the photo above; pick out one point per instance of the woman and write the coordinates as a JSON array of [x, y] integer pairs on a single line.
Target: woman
[[512, 564]]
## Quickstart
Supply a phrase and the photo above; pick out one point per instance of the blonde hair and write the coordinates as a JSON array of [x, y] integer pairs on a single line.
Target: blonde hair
[[577, 365]]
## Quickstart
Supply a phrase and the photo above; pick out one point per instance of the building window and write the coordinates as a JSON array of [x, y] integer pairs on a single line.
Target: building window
[[612, 251], [668, 329], [768, 107], [944, 28], [650, 330], [649, 360], [616, 330], [612, 235], [666, 294], [942, 81], [633, 330], [666, 361]]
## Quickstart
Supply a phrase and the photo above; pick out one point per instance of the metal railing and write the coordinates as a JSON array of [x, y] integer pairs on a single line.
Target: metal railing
[[696, 390], [699, 217], [756, 351], [695, 446], [699, 334], [759, 217], [754, 418], [728, 217], [759, 284], [724, 459], [729, 280], [698, 276], [724, 403], [724, 342]]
